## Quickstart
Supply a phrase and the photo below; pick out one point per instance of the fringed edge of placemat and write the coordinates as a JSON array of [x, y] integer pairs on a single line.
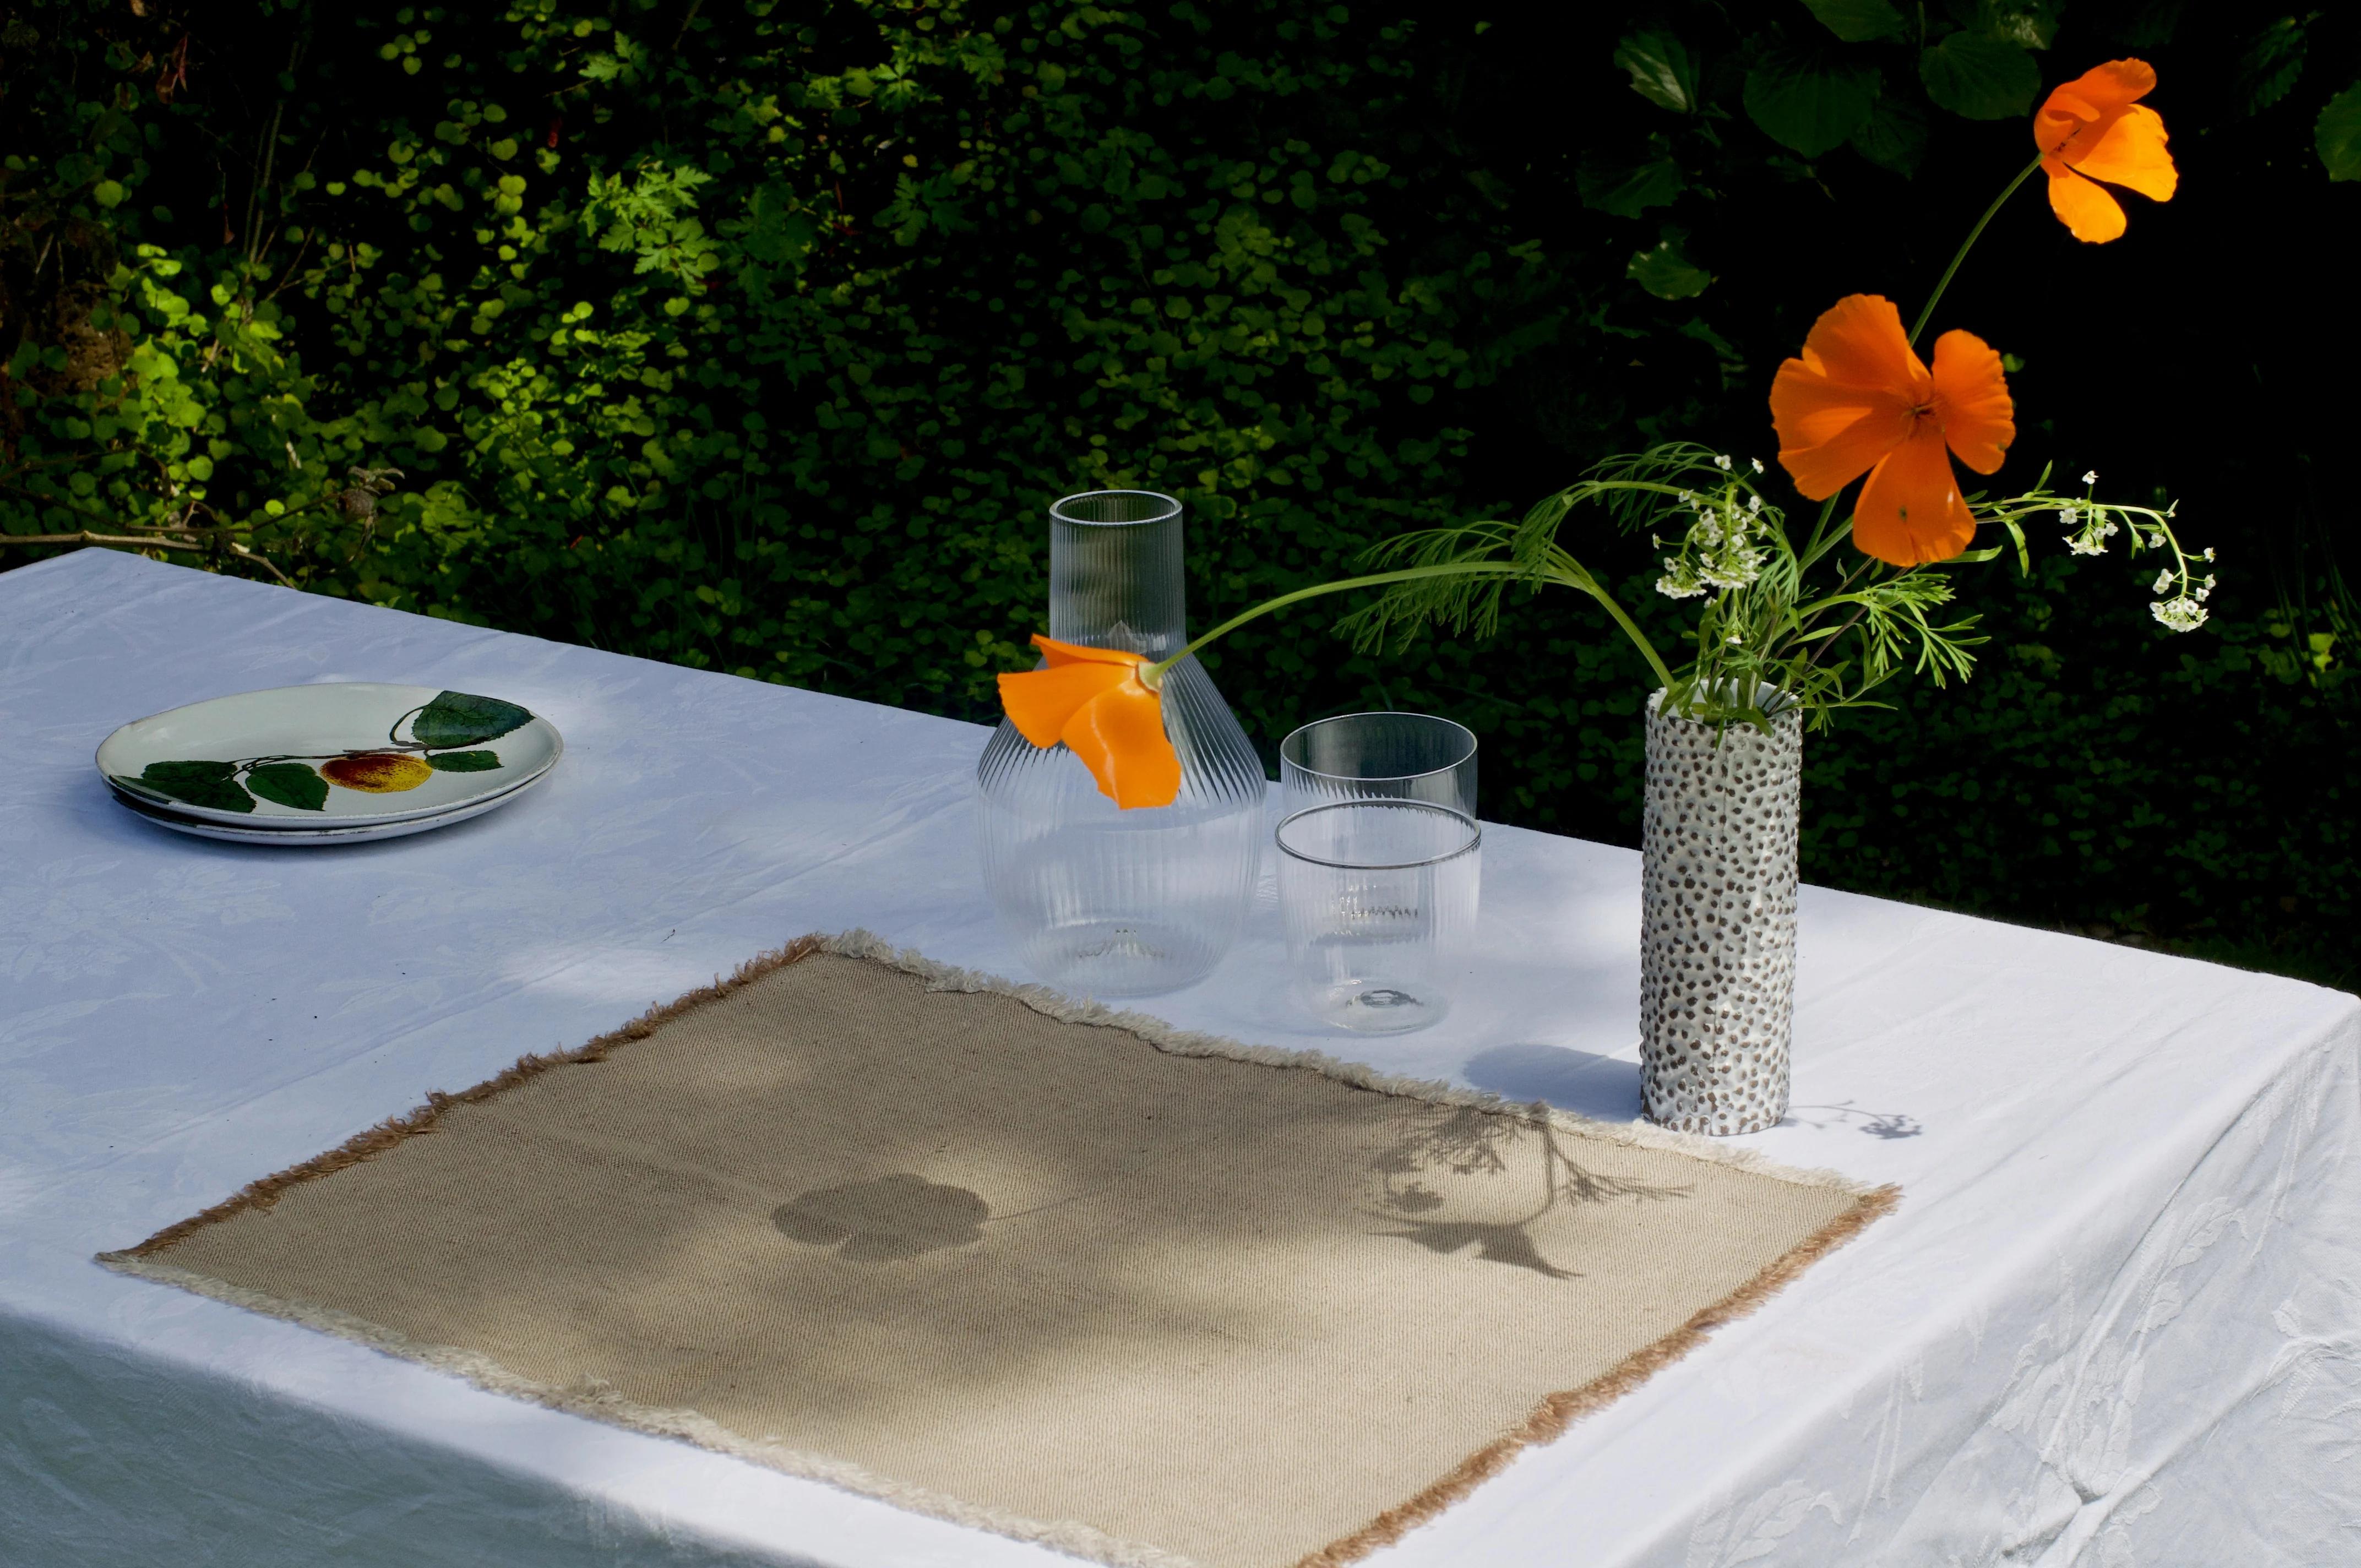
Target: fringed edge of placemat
[[263, 1192], [1558, 1412], [1548, 1419], [595, 1399]]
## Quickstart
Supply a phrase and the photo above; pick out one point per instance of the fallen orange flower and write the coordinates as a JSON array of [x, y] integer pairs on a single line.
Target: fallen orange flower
[[1860, 401], [2091, 128], [1096, 702]]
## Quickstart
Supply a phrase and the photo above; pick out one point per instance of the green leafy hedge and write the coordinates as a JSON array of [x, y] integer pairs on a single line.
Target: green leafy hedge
[[757, 336]]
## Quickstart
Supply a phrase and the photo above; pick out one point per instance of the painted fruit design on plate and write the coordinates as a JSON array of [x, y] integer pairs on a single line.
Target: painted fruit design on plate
[[447, 735], [378, 772]]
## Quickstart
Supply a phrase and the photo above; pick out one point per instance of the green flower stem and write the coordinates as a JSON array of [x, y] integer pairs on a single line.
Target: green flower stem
[[1966, 246], [1152, 676], [1822, 540], [1590, 585]]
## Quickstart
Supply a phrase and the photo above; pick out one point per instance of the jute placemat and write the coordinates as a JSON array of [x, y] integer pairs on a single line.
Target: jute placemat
[[1149, 1297]]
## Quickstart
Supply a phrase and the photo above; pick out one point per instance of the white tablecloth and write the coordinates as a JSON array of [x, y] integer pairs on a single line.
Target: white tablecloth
[[2116, 1321]]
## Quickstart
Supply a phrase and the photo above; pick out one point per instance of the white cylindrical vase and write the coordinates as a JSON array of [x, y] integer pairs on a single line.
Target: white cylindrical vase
[[1718, 920]]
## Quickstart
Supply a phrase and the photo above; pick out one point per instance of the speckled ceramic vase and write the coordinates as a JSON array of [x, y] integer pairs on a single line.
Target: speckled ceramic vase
[[1717, 921]]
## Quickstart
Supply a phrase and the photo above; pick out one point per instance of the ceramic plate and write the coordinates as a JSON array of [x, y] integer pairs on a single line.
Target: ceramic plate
[[312, 827], [298, 838], [349, 754]]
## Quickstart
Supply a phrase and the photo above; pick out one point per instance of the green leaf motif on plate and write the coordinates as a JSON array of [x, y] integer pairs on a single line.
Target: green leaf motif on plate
[[209, 784], [458, 719], [1980, 77], [464, 761], [289, 784]]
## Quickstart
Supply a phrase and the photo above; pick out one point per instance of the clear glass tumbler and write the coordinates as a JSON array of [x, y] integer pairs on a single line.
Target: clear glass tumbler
[[1379, 756], [1380, 900]]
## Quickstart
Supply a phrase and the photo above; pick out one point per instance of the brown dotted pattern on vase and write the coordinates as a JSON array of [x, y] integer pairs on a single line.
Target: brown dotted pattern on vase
[[1718, 922]]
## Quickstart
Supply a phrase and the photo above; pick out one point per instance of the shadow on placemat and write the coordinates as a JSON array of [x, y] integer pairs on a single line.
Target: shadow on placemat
[[1066, 1274]]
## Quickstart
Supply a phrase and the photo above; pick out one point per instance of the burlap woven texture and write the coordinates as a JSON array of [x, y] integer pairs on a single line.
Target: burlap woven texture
[[984, 1254]]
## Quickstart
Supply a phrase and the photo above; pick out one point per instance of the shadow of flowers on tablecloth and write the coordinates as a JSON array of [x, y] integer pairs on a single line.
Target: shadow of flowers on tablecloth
[[892, 1217]]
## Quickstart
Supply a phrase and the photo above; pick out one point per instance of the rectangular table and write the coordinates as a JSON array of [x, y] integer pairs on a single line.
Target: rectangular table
[[2118, 1318]]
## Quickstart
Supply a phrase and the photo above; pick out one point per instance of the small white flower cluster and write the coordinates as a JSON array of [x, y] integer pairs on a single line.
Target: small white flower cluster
[[2090, 529], [1722, 550], [2185, 610]]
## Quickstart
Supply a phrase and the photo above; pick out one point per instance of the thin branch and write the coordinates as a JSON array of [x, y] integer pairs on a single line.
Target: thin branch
[[139, 540]]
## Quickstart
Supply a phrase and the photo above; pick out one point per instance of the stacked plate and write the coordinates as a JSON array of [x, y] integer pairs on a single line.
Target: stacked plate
[[337, 763]]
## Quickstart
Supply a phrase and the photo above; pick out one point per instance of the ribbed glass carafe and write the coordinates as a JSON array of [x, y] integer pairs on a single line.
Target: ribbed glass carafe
[[1105, 902]]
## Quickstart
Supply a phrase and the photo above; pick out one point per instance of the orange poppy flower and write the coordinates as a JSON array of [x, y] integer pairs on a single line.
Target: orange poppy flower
[[1093, 700], [1860, 401], [2093, 128]]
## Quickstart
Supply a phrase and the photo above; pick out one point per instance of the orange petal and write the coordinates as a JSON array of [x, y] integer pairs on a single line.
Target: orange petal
[[1829, 435], [2079, 115], [1972, 400], [1859, 342], [2088, 212], [2064, 113], [1041, 703], [1847, 401], [2131, 153], [1081, 653], [2111, 85], [1910, 512], [1119, 735]]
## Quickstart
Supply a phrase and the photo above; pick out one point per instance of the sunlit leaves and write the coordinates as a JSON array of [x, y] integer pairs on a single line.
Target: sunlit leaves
[[651, 214]]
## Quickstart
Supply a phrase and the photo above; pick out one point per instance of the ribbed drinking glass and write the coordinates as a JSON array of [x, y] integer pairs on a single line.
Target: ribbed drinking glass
[[1380, 898], [1379, 756], [1102, 901]]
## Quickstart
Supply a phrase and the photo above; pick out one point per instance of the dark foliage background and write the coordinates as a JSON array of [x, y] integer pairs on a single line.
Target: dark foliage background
[[757, 336]]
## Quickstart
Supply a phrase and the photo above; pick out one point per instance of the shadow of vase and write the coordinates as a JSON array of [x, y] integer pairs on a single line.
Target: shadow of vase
[[1605, 1088]]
